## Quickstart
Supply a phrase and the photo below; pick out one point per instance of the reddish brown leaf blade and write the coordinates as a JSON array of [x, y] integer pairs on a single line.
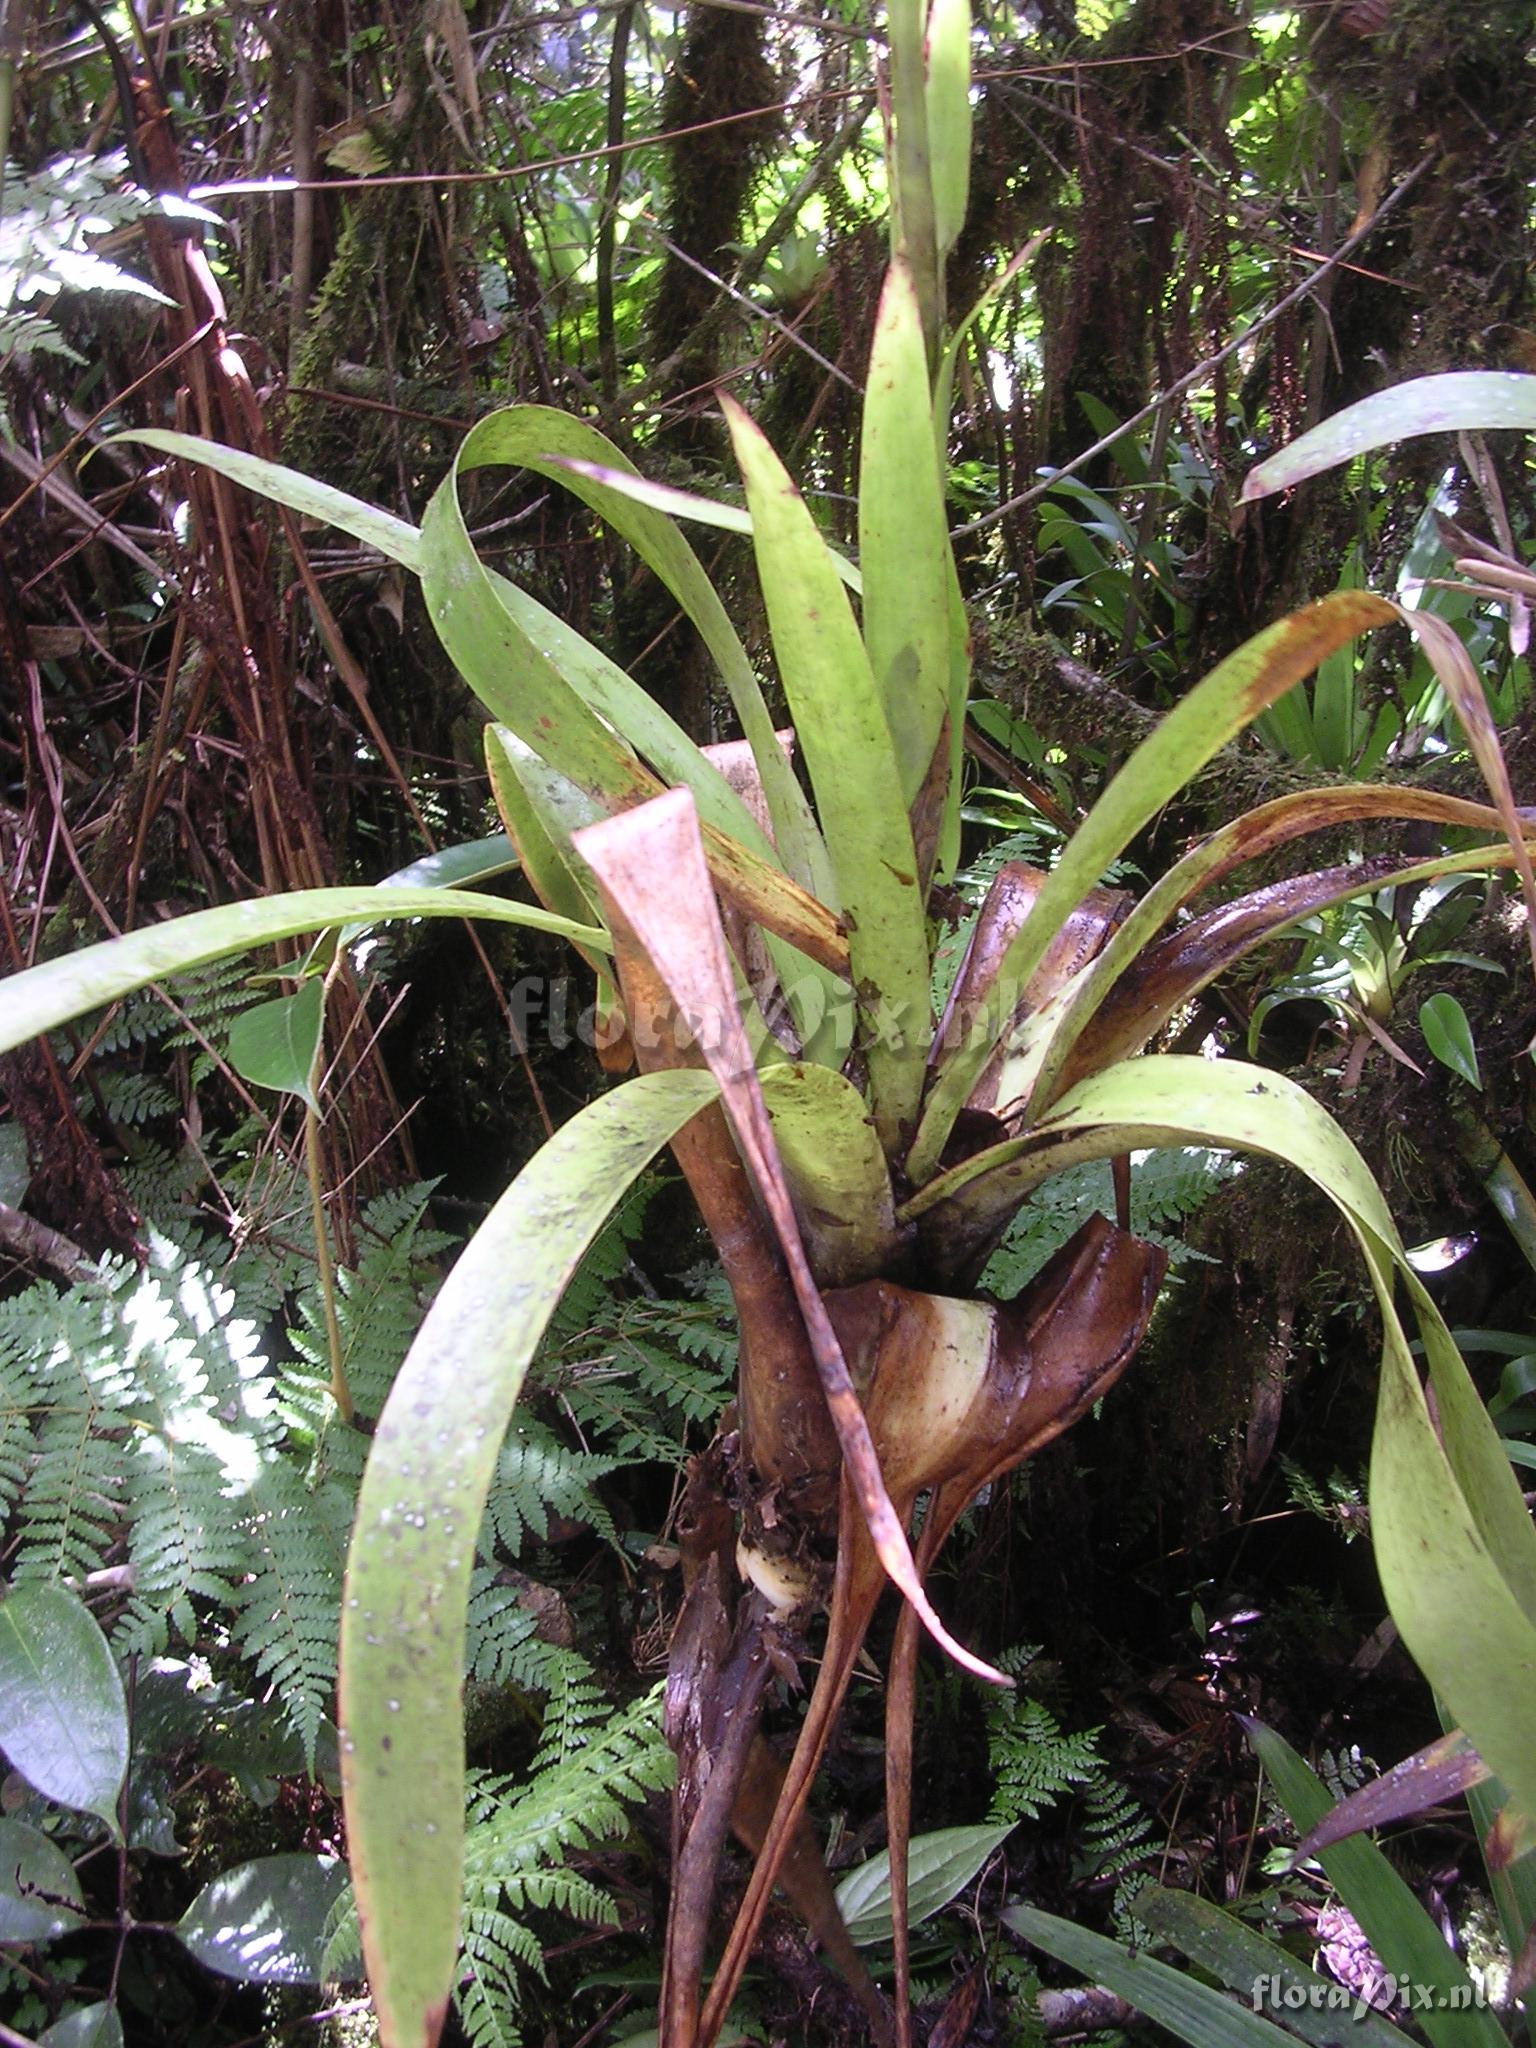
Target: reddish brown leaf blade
[[1442, 1769], [1453, 665], [650, 866]]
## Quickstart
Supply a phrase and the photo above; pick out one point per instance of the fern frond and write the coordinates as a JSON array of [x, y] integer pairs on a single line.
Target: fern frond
[[136, 1098], [380, 1301], [1116, 1845], [502, 1643], [537, 1475], [289, 1609], [486, 1997], [576, 1797], [1033, 1762]]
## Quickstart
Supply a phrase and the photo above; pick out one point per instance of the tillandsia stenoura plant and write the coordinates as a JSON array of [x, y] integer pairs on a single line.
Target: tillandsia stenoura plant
[[765, 958]]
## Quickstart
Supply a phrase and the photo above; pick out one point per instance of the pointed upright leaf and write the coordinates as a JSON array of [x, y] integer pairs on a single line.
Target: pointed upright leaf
[[949, 117], [848, 750], [903, 536]]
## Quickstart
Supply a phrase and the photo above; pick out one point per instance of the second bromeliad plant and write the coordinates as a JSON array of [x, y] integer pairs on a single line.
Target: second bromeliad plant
[[768, 961]]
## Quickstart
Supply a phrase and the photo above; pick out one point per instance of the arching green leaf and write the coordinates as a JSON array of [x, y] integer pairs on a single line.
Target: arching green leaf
[[413, 1544], [1455, 402], [393, 537], [41, 998]]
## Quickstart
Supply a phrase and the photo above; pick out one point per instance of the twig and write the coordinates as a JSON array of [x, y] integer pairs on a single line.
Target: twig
[[40, 1246]]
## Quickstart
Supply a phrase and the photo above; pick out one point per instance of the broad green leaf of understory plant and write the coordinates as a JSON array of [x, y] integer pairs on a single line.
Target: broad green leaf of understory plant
[[40, 1895], [1396, 1925], [422, 1497], [274, 1044], [42, 998], [939, 1867], [1448, 1035], [849, 754], [1453, 1541], [93, 2026], [63, 1718], [265, 1922], [1451, 403]]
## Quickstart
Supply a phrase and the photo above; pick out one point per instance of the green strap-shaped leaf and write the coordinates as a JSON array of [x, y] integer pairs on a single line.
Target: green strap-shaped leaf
[[538, 437], [1320, 2011], [849, 754], [914, 229], [1456, 402], [1190, 2010], [1217, 708], [565, 700], [413, 1544], [949, 117], [515, 679], [453, 867], [393, 537], [63, 1718], [41, 998], [1403, 1935], [903, 536], [541, 811], [1453, 1541], [686, 505]]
